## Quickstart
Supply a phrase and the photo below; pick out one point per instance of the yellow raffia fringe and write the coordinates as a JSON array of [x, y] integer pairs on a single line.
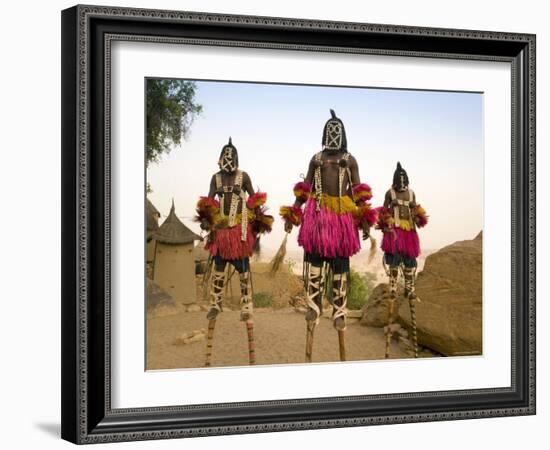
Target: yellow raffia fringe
[[339, 205], [223, 222], [405, 224]]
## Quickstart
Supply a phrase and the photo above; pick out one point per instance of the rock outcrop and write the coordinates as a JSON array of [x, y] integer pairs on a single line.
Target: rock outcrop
[[375, 311], [159, 302], [449, 315]]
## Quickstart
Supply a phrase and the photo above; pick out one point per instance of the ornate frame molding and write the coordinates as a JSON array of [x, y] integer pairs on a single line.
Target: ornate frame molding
[[79, 417]]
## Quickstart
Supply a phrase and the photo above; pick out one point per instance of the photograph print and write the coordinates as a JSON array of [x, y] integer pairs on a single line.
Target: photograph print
[[301, 224]]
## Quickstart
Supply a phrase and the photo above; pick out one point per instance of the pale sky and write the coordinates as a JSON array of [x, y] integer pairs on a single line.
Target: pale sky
[[437, 137]]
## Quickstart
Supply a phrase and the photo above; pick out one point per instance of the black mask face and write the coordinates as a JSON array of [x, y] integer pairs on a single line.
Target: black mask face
[[400, 178], [229, 159], [334, 134]]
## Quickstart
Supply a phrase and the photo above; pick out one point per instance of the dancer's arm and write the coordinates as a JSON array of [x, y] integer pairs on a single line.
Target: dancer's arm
[[247, 184], [301, 200], [212, 190], [354, 171]]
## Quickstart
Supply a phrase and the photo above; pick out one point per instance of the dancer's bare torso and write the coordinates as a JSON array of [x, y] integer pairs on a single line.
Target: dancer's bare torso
[[228, 180], [403, 195], [330, 173]]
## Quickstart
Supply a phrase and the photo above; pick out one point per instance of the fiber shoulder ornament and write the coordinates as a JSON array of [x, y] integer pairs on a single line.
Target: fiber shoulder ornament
[[293, 213], [364, 214], [261, 223], [208, 209], [419, 216]]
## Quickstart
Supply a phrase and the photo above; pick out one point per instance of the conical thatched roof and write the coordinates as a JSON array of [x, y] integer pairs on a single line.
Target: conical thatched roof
[[173, 231], [152, 214]]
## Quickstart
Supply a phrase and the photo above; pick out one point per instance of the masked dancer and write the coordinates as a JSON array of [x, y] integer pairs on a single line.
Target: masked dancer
[[331, 207], [398, 219], [234, 215]]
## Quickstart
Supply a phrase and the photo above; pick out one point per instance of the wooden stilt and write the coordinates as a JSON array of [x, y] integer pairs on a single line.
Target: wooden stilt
[[209, 341], [412, 307], [251, 343], [391, 307], [342, 344], [309, 339]]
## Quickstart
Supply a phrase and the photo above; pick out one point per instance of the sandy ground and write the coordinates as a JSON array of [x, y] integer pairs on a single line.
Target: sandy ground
[[279, 336]]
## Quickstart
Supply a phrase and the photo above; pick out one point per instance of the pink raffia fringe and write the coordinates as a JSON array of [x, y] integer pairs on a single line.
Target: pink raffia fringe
[[327, 233], [397, 240], [227, 243]]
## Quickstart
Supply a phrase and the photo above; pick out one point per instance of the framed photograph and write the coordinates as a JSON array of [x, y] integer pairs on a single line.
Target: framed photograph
[[279, 224]]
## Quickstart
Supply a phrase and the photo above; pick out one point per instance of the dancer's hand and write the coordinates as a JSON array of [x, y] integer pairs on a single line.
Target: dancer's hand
[[288, 226], [366, 231]]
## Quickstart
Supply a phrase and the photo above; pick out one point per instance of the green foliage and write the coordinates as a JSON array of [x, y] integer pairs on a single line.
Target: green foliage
[[358, 291], [262, 300], [171, 109]]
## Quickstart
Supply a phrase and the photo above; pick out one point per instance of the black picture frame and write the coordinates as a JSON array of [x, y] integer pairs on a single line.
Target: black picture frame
[[87, 416]]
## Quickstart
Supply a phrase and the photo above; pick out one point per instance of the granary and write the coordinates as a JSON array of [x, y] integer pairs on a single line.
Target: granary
[[152, 217], [174, 263]]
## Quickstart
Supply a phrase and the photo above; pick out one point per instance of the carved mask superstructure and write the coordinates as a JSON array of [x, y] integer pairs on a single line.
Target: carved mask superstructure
[[229, 158], [334, 134], [400, 179]]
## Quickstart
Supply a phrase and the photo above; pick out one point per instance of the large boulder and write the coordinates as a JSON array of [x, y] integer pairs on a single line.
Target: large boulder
[[375, 311], [159, 302], [449, 315]]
